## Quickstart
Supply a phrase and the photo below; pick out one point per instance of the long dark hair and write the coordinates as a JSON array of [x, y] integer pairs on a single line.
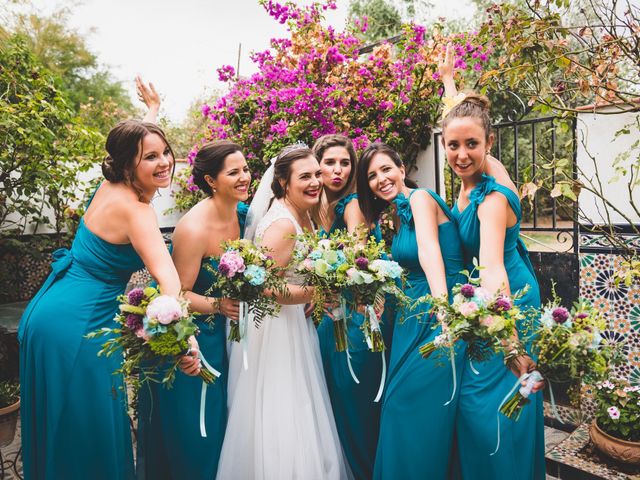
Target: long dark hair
[[124, 146], [371, 205], [210, 161], [325, 207]]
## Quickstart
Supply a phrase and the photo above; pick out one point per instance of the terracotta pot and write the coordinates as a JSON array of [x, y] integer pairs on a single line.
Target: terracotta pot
[[620, 450], [8, 419]]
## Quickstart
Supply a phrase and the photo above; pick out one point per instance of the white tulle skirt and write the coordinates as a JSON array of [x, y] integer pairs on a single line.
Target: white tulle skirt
[[280, 422]]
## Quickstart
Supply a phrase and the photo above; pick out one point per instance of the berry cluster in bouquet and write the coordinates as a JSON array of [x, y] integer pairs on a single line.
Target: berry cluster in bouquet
[[569, 347], [485, 321], [322, 262], [245, 272], [370, 276], [153, 333]]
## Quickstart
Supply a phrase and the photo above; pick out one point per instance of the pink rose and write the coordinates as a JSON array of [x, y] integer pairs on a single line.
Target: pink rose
[[467, 309], [141, 333], [165, 309]]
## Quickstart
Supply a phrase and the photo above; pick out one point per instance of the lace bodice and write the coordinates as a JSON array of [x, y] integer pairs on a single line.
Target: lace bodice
[[276, 212]]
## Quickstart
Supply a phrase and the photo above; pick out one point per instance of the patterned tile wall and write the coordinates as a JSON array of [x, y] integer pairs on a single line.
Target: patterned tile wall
[[619, 303]]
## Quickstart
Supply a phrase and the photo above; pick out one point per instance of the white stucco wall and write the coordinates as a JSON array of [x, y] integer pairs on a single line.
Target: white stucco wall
[[425, 173], [596, 138]]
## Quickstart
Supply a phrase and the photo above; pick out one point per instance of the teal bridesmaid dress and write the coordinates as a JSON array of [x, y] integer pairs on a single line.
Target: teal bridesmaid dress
[[521, 452], [419, 408], [357, 416], [170, 445], [73, 409]]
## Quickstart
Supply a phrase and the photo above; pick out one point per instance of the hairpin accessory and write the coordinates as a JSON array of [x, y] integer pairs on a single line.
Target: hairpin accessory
[[450, 102]]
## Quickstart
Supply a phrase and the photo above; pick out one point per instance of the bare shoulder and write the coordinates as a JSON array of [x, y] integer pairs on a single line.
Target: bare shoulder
[[493, 202], [282, 226], [189, 229], [421, 200], [500, 173]]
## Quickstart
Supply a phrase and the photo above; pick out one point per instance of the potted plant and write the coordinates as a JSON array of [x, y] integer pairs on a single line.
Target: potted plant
[[9, 410], [615, 430], [9, 386]]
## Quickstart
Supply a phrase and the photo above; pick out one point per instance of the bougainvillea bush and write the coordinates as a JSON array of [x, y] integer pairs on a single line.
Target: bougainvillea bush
[[318, 81]]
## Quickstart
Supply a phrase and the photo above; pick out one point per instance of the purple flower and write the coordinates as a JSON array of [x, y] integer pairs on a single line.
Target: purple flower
[[467, 290], [226, 73], [362, 263], [280, 127], [341, 246], [502, 304], [581, 315], [560, 314], [206, 110], [134, 322], [135, 296], [223, 269]]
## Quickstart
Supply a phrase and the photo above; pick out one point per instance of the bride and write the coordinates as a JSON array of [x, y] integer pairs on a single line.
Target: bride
[[280, 424]]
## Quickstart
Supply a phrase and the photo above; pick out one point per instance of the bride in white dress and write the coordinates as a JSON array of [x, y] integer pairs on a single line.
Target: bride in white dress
[[280, 423]]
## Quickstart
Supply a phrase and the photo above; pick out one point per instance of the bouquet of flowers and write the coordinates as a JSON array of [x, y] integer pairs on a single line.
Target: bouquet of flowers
[[368, 278], [243, 273], [323, 264], [568, 346], [153, 332], [618, 409], [486, 321]]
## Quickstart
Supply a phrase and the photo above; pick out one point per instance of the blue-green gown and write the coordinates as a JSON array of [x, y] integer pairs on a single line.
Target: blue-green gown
[[416, 428], [357, 416], [521, 453], [73, 409], [170, 445]]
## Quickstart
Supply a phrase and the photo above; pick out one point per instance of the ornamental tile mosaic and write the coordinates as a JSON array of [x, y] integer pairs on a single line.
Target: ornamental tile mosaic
[[621, 304]]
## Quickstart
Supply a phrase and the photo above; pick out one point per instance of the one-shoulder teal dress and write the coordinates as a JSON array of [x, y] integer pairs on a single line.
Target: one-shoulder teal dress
[[357, 416], [170, 445], [419, 409], [521, 452], [73, 409]]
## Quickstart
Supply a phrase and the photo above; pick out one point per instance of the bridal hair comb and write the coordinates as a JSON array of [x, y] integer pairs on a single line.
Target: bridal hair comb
[[292, 147]]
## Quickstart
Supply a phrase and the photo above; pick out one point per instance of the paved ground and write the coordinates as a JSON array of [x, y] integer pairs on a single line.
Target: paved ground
[[552, 438]]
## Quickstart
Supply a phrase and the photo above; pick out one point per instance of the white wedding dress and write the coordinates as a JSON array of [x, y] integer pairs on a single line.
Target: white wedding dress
[[280, 425]]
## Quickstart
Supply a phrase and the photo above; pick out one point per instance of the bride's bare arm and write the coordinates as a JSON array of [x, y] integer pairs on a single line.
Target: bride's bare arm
[[279, 239]]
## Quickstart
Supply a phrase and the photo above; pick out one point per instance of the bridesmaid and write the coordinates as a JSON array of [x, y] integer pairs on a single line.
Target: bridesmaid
[[488, 213], [170, 445], [419, 407], [357, 416], [69, 396]]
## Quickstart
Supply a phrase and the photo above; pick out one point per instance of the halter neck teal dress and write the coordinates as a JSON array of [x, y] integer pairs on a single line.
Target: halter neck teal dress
[[357, 416], [521, 452], [73, 409], [170, 445], [416, 427]]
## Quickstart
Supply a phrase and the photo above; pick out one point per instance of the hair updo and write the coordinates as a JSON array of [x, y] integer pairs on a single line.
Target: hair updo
[[210, 161], [473, 106], [124, 146], [282, 167]]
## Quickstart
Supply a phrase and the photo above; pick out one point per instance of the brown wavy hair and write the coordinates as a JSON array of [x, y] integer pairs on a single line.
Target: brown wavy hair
[[124, 151], [319, 148]]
